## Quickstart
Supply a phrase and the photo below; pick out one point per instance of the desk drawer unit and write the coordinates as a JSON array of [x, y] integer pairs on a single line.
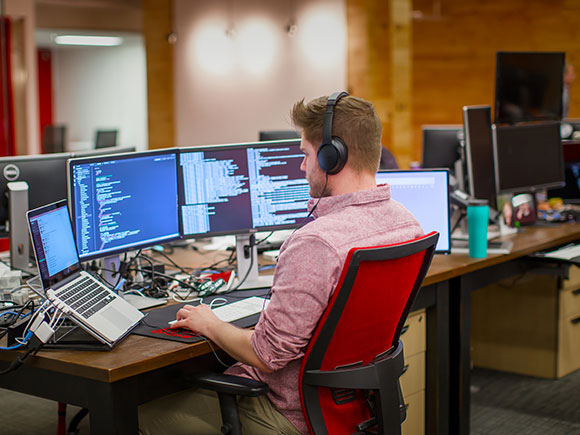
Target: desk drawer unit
[[413, 379], [413, 334], [529, 324], [415, 421]]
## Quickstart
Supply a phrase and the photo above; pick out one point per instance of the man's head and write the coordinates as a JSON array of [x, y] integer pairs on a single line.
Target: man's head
[[355, 122]]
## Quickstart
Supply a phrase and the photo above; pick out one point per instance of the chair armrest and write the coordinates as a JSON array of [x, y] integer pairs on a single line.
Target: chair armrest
[[229, 384]]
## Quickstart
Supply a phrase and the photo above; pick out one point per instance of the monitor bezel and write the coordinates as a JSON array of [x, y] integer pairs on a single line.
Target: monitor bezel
[[521, 189], [94, 159], [430, 170], [259, 144]]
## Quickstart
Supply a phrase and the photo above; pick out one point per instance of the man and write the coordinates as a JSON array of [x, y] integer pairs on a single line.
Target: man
[[349, 211]]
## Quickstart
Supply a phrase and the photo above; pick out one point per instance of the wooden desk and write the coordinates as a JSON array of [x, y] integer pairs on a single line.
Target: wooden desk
[[472, 274], [112, 384]]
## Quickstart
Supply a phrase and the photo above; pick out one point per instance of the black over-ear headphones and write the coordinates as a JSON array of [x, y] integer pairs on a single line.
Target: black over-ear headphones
[[332, 153]]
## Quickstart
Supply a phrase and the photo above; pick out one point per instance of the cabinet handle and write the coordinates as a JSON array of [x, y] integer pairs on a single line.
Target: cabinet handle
[[575, 321], [405, 328], [576, 292]]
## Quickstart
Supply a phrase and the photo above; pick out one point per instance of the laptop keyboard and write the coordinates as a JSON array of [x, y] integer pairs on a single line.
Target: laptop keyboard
[[85, 296]]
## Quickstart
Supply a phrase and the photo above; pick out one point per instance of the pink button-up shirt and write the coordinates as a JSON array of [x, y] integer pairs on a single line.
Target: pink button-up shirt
[[309, 266]]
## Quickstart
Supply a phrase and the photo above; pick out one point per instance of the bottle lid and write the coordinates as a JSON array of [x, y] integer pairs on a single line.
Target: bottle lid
[[473, 201]]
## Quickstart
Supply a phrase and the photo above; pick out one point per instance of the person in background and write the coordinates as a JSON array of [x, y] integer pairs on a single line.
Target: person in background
[[569, 77]]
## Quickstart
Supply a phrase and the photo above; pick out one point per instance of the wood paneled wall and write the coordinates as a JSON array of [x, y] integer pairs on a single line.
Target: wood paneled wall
[[452, 55], [157, 26]]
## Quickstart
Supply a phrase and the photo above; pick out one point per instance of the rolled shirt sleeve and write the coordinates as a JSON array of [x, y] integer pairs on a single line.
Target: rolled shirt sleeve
[[301, 292]]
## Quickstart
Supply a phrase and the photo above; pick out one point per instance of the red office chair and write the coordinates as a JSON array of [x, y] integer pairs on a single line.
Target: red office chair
[[349, 380]]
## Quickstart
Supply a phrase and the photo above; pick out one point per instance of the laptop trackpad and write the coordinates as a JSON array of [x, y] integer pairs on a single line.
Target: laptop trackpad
[[116, 318]]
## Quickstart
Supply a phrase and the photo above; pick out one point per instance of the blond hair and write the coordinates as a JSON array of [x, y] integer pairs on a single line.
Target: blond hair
[[355, 122]]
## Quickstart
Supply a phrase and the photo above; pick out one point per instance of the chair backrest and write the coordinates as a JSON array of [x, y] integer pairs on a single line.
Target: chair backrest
[[363, 320]]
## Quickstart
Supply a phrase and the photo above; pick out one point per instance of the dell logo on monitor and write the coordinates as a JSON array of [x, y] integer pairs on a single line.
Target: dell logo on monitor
[[11, 172]]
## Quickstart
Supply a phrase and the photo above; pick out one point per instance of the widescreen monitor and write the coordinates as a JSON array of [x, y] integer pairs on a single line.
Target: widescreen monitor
[[528, 86], [441, 145], [425, 193], [527, 157], [479, 153], [123, 202], [240, 188], [267, 135]]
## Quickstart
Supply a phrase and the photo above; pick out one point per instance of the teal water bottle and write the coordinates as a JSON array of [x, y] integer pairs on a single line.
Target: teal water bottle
[[477, 220]]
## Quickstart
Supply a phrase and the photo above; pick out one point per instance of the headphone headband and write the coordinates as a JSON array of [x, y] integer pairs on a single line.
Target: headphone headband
[[329, 115]]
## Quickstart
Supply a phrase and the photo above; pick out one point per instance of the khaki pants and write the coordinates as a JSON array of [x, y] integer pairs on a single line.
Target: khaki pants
[[197, 411]]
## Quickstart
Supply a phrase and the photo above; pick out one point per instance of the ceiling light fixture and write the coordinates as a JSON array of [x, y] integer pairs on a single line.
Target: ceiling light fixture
[[100, 41]]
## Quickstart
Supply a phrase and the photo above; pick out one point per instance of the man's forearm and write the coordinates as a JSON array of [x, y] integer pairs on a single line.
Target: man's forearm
[[236, 342]]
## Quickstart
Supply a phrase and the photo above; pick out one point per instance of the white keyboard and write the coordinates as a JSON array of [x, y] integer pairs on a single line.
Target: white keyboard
[[240, 309], [566, 253]]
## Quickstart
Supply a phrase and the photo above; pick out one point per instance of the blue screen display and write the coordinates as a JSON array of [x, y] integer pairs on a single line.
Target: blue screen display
[[426, 195], [125, 202]]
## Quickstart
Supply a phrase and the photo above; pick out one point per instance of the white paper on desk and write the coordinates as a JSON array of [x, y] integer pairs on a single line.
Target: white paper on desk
[[566, 253]]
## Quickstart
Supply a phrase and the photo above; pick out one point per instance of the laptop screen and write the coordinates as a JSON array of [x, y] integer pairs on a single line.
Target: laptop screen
[[54, 243]]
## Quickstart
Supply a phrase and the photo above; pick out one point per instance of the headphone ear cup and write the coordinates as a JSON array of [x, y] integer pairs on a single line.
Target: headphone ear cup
[[332, 156]]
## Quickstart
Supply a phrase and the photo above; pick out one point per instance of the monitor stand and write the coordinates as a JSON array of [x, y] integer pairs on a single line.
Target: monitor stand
[[246, 250], [111, 265], [19, 238]]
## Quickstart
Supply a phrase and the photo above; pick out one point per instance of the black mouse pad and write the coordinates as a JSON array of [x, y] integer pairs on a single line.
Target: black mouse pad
[[155, 323]]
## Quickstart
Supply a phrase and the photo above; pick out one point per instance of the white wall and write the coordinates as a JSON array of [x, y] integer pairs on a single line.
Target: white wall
[[220, 99], [101, 87]]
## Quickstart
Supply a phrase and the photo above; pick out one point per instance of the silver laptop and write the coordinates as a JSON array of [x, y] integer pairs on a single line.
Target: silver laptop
[[83, 298]]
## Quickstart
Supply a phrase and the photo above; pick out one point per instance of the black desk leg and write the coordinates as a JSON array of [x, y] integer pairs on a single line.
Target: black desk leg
[[460, 355], [113, 408], [437, 399]]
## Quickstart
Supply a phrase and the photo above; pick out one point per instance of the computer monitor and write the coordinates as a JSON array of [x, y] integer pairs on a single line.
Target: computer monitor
[[570, 192], [528, 86], [527, 157], [106, 138], [278, 135], [123, 202], [441, 145], [45, 175], [425, 193], [240, 189], [479, 153], [54, 139]]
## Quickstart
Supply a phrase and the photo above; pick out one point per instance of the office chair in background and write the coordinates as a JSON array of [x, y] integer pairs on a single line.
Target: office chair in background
[[349, 379], [54, 139], [106, 138]]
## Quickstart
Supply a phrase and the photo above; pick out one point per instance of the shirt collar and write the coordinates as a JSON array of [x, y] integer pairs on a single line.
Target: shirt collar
[[331, 203]]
